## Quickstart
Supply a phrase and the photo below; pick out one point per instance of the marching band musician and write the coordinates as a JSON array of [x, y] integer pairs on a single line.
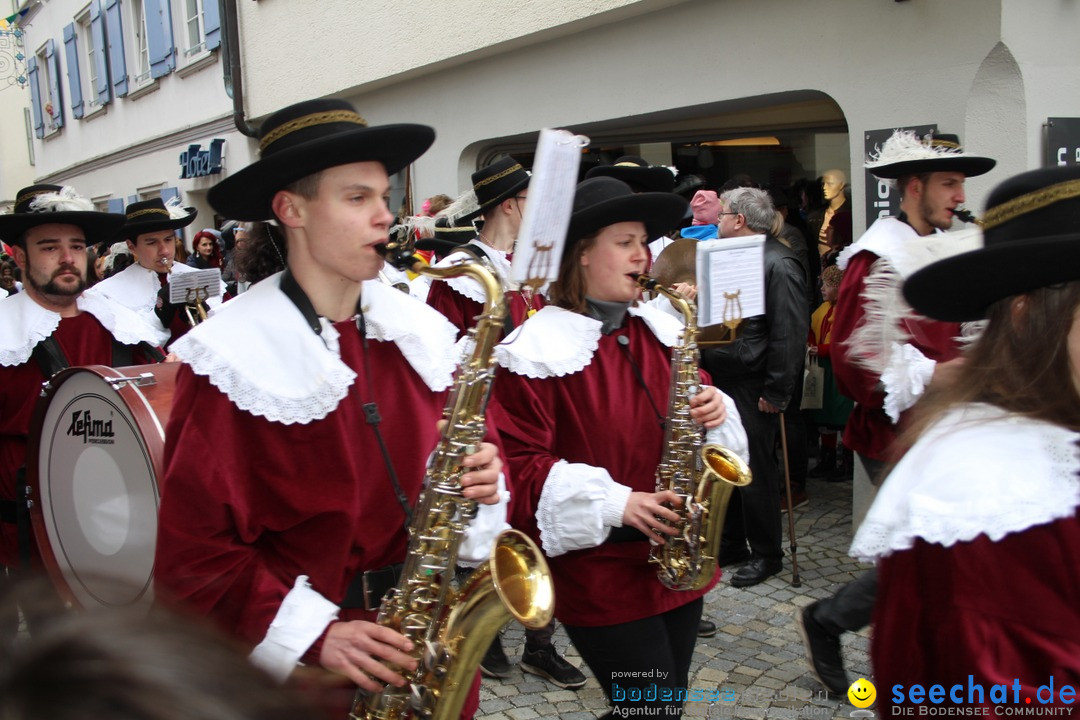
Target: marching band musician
[[500, 191], [580, 411], [320, 389], [975, 530], [150, 230], [49, 326]]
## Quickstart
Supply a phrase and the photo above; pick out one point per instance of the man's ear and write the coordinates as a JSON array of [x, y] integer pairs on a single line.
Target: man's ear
[[18, 254], [287, 207]]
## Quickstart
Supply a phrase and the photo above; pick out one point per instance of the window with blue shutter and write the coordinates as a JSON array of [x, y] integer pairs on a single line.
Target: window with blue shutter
[[71, 52], [97, 29], [212, 23], [116, 205], [159, 37], [169, 193], [35, 96], [54, 84], [115, 38]]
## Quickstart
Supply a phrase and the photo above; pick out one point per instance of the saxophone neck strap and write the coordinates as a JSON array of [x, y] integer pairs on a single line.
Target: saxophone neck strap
[[367, 588]]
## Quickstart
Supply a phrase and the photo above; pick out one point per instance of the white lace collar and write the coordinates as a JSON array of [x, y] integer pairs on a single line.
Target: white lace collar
[[260, 352], [24, 324], [906, 250], [137, 288], [556, 342], [465, 285], [977, 471]]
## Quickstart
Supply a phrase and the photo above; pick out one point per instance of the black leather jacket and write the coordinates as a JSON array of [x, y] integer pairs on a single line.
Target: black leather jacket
[[769, 348]]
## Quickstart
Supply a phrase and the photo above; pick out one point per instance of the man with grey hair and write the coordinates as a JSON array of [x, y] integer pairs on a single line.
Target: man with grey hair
[[759, 371]]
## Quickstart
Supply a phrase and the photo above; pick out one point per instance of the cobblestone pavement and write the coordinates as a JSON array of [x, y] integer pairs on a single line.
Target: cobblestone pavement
[[756, 658]]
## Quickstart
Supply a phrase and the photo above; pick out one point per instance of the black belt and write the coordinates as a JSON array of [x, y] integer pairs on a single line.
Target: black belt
[[367, 589]]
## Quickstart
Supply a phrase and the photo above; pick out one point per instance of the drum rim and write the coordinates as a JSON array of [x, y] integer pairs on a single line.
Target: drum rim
[[154, 445]]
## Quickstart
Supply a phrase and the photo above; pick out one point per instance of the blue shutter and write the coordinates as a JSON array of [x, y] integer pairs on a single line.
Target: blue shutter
[[115, 36], [97, 29], [132, 199], [169, 193], [159, 37], [54, 83], [212, 23], [35, 96], [71, 48], [116, 205]]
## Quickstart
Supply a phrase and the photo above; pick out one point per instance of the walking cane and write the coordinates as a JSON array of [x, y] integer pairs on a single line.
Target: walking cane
[[792, 545]]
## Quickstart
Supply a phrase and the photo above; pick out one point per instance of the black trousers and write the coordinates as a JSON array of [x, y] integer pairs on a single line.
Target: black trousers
[[641, 658], [754, 513], [851, 608]]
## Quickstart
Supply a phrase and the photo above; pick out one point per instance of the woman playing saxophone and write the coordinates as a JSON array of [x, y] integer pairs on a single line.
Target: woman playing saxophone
[[580, 406]]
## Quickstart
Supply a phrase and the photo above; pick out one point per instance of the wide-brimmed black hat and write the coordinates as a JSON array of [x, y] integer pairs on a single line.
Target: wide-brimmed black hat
[[42, 204], [637, 173], [500, 180], [1031, 239], [148, 216], [906, 153], [307, 137], [603, 201]]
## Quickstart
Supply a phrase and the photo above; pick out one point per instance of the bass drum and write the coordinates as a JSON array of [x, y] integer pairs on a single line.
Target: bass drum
[[96, 445]]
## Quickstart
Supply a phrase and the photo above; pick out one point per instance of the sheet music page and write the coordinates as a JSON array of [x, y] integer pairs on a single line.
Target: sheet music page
[[731, 279], [207, 281], [547, 213]]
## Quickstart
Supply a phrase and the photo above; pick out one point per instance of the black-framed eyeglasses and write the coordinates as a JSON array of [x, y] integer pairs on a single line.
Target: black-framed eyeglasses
[[521, 197]]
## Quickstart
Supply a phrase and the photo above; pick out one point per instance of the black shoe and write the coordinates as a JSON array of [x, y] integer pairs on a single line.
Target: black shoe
[[706, 628], [822, 652], [756, 571], [549, 664], [826, 465], [730, 557], [495, 663]]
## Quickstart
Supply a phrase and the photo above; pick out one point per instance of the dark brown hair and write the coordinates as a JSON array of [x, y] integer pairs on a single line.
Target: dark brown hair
[[1020, 363], [264, 253], [568, 291]]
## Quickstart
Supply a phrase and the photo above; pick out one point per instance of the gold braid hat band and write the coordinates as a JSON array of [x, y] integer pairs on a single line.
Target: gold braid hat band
[[1030, 202], [306, 121]]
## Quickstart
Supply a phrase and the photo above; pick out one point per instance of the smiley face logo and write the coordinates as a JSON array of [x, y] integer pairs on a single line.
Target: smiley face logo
[[862, 693]]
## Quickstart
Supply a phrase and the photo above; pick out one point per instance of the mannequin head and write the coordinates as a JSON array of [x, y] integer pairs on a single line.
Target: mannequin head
[[833, 183]]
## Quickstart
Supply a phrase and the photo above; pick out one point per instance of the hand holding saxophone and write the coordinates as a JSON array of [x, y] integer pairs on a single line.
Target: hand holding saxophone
[[363, 652], [707, 407], [644, 511], [481, 482]]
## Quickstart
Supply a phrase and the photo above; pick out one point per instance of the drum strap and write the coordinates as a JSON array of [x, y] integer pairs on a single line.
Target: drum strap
[[22, 518], [49, 357], [124, 355]]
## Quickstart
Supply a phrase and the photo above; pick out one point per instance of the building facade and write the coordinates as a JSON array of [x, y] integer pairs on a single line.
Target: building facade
[[127, 100], [674, 79]]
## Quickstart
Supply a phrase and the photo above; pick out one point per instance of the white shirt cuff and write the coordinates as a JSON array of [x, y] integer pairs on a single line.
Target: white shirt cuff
[[481, 532], [299, 622], [905, 379], [578, 507], [730, 433]]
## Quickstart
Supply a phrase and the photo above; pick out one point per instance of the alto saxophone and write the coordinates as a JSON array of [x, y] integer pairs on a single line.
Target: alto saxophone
[[451, 629], [702, 474]]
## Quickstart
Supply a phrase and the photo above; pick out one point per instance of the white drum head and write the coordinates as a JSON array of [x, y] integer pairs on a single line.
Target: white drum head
[[98, 492]]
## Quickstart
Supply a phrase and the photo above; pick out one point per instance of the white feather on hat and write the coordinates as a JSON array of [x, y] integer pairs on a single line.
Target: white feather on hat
[[906, 145], [176, 210], [67, 200]]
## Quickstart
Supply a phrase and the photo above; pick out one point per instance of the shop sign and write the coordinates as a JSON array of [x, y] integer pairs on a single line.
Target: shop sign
[[1062, 141], [195, 162]]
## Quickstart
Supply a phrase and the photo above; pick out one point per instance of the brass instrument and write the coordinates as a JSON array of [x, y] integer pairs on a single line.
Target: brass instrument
[[702, 474], [195, 307], [450, 630]]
